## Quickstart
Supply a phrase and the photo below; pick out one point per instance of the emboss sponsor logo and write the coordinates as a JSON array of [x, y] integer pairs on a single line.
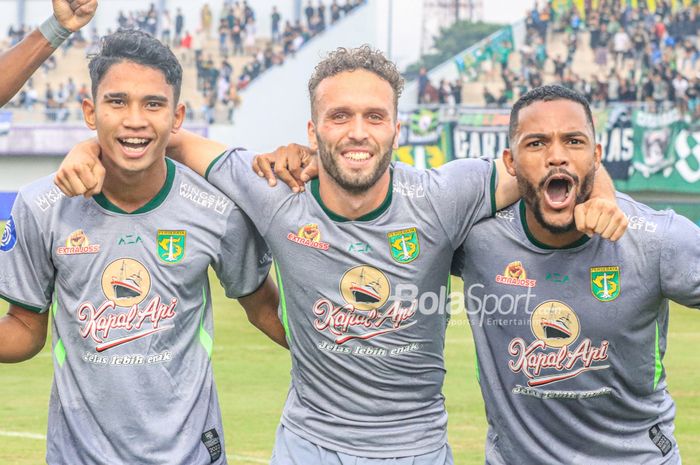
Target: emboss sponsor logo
[[309, 235], [550, 357], [515, 275], [78, 244], [216, 202]]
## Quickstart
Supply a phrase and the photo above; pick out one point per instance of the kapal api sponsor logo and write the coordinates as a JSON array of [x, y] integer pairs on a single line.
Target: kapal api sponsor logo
[[365, 290], [552, 356], [126, 284]]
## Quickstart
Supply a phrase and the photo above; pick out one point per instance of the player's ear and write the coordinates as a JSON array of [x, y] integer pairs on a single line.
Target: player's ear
[[598, 154], [89, 113], [396, 136], [508, 161], [179, 118], [311, 134]]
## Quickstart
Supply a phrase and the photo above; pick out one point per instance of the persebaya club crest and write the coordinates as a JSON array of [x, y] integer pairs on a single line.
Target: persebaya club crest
[[605, 282], [404, 245], [171, 245]]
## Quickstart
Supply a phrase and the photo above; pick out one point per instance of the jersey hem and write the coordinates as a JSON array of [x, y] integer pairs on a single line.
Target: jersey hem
[[384, 454]]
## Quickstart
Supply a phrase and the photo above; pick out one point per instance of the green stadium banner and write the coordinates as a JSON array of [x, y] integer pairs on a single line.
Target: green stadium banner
[[496, 47], [666, 154], [425, 140]]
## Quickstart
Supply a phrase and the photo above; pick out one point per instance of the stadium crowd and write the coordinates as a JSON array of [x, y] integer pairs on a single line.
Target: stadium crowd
[[639, 55], [227, 52]]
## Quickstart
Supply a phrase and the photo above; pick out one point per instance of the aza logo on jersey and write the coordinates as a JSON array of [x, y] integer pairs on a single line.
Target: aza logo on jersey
[[365, 290], [126, 284], [605, 282], [552, 357], [171, 245], [78, 244], [9, 236], [309, 235]]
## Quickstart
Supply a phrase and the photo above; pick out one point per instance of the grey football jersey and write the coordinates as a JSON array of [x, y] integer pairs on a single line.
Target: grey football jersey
[[363, 301], [570, 342], [132, 316]]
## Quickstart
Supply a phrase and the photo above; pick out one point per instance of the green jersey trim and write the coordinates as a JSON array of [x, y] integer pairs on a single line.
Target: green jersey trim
[[60, 353], [211, 165], [283, 303], [204, 337], [373, 215], [658, 365], [152, 204], [23, 305], [536, 243], [493, 188]]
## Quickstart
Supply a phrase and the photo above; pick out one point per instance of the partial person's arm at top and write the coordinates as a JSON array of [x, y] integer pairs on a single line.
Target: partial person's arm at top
[[20, 62], [22, 334], [261, 308]]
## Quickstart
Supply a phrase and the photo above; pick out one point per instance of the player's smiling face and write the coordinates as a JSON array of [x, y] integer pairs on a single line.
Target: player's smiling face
[[134, 114], [354, 129], [554, 158]]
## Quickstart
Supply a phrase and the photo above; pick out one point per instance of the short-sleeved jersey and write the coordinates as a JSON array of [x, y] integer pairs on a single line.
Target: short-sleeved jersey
[[363, 301], [132, 316], [570, 342]]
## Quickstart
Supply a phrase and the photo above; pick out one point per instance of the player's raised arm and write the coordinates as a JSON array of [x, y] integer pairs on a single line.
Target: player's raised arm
[[20, 62], [22, 334], [261, 308]]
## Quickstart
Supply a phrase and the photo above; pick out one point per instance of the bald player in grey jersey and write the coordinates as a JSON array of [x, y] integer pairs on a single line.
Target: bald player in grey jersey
[[570, 331], [355, 253], [124, 276]]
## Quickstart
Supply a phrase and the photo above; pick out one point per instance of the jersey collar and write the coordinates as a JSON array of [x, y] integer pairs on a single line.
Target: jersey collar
[[152, 204], [536, 243], [373, 215]]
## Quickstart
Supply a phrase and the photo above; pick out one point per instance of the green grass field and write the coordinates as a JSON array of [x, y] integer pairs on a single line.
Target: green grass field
[[252, 376]]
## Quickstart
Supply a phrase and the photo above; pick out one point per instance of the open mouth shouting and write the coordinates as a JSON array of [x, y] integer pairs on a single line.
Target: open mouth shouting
[[134, 146], [559, 191]]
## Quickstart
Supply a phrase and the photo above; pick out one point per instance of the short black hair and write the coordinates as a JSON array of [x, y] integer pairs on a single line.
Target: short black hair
[[546, 94], [136, 47]]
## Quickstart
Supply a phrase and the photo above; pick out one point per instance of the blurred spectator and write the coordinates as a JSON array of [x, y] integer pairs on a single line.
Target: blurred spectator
[[205, 20]]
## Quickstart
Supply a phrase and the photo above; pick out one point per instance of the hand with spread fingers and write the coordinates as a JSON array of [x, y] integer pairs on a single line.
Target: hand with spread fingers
[[601, 216], [293, 164], [81, 172], [74, 14]]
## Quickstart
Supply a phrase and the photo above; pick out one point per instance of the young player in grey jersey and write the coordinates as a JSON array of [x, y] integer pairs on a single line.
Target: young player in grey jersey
[[354, 253], [570, 331], [124, 276]]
